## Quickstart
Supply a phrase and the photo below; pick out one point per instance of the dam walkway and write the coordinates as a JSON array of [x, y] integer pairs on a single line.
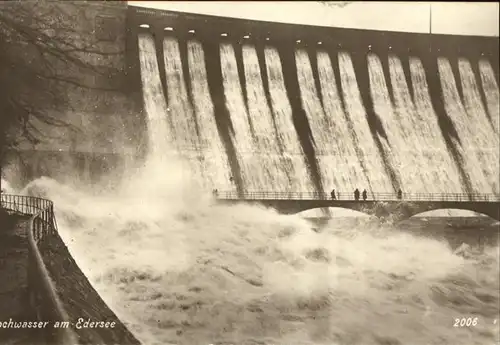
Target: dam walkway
[[377, 204], [14, 296]]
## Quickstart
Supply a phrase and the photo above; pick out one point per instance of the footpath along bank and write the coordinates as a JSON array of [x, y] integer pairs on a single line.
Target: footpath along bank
[[43, 292]]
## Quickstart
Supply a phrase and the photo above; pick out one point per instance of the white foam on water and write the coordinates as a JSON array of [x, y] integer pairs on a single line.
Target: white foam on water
[[179, 269]]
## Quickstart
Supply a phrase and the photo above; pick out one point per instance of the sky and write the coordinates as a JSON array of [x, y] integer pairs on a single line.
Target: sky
[[456, 18]]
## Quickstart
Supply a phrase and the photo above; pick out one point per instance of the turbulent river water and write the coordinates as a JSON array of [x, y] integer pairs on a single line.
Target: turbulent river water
[[179, 269]]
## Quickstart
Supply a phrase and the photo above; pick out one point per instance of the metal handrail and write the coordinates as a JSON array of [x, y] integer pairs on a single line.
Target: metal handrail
[[42, 226], [348, 196]]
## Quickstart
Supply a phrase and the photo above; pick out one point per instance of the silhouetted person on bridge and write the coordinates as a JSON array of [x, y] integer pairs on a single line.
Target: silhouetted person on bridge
[[356, 194], [365, 195], [333, 194], [215, 192], [400, 194]]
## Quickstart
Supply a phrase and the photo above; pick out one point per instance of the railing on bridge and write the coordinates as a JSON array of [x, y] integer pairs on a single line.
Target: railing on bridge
[[43, 296], [349, 196]]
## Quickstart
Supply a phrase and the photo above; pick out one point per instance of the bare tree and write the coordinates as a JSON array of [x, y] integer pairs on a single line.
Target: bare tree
[[41, 55]]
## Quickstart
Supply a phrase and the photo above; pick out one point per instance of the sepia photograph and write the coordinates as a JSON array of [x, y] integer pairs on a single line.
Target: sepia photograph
[[249, 173]]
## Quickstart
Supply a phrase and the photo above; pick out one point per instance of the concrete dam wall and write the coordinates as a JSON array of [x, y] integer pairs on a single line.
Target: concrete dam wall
[[102, 119], [264, 106]]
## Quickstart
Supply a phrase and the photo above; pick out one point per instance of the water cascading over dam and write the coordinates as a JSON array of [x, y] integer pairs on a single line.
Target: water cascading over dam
[[254, 106], [271, 107]]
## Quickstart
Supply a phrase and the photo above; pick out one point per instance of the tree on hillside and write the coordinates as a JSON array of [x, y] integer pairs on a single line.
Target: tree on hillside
[[41, 55]]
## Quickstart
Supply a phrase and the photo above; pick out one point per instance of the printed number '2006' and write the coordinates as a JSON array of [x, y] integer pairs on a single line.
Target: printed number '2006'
[[465, 322]]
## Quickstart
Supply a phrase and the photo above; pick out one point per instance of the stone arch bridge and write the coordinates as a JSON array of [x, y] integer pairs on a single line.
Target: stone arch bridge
[[377, 204]]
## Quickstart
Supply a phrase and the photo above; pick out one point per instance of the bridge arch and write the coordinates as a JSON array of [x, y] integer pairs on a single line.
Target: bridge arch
[[334, 212], [460, 212], [396, 209]]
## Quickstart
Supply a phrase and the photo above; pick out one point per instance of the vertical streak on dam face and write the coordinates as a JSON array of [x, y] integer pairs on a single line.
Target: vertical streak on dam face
[[483, 135], [367, 152], [356, 165], [474, 105], [181, 114], [407, 73], [243, 133], [160, 58], [257, 168], [238, 116], [216, 167], [384, 59], [496, 71], [221, 113], [266, 154], [320, 125], [341, 168], [313, 58], [454, 63], [436, 92], [334, 62], [491, 92], [241, 76], [288, 63], [495, 68], [470, 143], [283, 114], [136, 126], [474, 64], [426, 166], [258, 109], [377, 130], [446, 125], [389, 123], [154, 99], [183, 49], [311, 104], [261, 57]]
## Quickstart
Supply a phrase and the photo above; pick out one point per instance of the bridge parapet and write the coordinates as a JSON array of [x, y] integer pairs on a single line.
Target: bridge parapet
[[379, 205], [372, 196]]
